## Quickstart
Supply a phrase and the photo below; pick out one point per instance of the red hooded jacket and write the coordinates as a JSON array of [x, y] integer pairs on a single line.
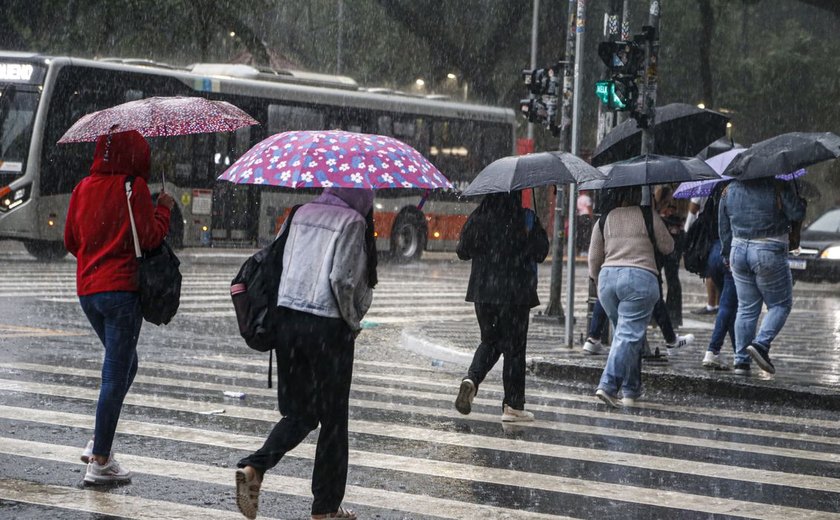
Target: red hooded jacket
[[98, 230]]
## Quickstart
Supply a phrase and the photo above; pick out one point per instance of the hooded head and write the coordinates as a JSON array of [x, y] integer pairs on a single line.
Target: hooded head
[[125, 153], [359, 199]]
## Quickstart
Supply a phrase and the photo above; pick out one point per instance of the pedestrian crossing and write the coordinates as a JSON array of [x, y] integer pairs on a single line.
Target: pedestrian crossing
[[400, 297], [411, 454], [664, 461]]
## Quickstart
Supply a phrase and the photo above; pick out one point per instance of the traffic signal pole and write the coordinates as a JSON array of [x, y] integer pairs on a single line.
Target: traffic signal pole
[[648, 93], [555, 305], [580, 31]]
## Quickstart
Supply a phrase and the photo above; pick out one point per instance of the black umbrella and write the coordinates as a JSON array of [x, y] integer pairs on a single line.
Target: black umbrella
[[783, 154], [680, 130], [652, 169], [724, 144], [518, 172]]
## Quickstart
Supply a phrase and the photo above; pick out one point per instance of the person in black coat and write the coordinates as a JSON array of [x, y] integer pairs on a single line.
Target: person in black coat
[[504, 250]]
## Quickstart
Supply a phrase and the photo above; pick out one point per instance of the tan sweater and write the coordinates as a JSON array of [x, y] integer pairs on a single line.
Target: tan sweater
[[625, 242]]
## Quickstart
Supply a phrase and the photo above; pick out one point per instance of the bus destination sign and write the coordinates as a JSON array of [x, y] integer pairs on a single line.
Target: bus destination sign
[[19, 73]]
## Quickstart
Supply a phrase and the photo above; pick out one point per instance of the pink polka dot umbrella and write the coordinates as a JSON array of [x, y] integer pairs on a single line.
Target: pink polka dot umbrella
[[322, 159], [160, 117]]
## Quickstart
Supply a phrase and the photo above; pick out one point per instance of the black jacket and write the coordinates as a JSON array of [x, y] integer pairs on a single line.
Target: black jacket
[[504, 254]]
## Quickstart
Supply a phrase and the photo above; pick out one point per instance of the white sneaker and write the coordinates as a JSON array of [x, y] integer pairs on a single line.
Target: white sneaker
[[607, 398], [680, 342], [87, 453], [514, 415], [109, 473], [593, 346], [628, 401], [712, 360]]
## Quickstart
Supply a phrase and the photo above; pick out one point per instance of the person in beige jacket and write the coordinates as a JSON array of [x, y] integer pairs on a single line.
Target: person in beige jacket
[[623, 265]]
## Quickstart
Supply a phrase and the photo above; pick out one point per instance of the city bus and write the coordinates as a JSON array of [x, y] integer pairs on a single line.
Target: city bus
[[42, 96]]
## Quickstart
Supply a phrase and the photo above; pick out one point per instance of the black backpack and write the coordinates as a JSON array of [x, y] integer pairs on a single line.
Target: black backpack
[[254, 292], [698, 240]]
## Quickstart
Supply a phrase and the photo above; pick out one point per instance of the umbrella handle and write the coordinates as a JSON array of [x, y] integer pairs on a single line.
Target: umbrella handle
[[423, 200]]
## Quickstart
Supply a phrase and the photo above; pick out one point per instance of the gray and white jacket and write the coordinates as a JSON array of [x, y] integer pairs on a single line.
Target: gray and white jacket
[[324, 263]]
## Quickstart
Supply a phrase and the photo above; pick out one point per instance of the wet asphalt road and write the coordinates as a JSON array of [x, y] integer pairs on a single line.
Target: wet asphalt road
[[412, 455]]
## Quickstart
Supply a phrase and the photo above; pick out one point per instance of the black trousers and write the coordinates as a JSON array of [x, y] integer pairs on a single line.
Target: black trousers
[[504, 331], [314, 369]]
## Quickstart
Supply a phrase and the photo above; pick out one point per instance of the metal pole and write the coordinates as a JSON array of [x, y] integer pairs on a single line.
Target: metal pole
[[625, 36], [534, 32], [570, 265], [555, 305], [651, 70], [339, 36]]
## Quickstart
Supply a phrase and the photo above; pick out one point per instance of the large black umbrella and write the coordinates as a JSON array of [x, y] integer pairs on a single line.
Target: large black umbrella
[[724, 144], [529, 171], [652, 169], [783, 154], [680, 130]]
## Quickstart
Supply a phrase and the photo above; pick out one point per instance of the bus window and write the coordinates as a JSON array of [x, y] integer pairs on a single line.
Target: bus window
[[17, 114], [282, 118]]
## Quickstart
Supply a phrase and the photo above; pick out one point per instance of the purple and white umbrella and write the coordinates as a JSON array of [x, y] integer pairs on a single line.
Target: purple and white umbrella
[[719, 162], [160, 117], [323, 159]]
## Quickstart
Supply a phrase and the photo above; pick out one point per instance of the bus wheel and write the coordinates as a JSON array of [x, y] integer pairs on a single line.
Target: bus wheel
[[44, 250], [408, 236]]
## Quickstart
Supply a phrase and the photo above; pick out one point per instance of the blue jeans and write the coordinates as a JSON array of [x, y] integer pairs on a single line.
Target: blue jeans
[[628, 295], [725, 320], [762, 276], [116, 318]]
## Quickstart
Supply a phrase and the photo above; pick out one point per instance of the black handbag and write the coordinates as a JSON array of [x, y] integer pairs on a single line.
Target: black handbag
[[159, 275]]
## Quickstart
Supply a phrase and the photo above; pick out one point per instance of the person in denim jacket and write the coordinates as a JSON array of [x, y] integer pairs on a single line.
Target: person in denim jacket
[[754, 220]]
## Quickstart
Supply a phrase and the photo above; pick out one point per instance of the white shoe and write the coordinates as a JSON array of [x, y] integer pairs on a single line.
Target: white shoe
[[628, 401], [514, 415], [593, 346], [712, 360], [87, 453], [109, 473], [680, 342], [607, 398]]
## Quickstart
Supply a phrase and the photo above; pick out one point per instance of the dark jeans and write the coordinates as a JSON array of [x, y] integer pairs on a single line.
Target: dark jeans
[[673, 300], [725, 319], [314, 369], [598, 324], [504, 330], [116, 318]]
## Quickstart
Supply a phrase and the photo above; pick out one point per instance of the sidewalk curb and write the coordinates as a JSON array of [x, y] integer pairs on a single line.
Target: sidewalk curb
[[748, 388]]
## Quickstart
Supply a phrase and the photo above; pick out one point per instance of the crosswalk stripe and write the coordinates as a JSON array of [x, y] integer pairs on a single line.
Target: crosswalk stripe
[[504, 477], [588, 413], [410, 503], [111, 505], [397, 431], [447, 412]]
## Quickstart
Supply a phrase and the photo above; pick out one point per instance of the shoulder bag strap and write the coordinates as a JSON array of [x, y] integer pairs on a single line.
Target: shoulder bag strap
[[129, 182]]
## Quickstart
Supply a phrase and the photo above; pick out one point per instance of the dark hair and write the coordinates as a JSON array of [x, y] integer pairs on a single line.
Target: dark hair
[[627, 196], [370, 250]]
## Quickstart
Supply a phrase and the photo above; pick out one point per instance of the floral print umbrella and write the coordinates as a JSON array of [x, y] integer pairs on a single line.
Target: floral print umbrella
[[159, 117], [322, 159]]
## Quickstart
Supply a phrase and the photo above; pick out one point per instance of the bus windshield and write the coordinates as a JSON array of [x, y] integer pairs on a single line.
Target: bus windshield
[[17, 115]]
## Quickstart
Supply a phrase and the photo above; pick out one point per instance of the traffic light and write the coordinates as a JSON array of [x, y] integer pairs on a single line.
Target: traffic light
[[545, 85], [622, 58], [618, 94]]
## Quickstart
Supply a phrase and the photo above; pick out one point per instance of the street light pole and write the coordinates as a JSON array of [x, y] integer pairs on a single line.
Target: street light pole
[[651, 71]]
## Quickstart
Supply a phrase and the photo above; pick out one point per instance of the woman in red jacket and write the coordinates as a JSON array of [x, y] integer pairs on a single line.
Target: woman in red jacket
[[98, 234]]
